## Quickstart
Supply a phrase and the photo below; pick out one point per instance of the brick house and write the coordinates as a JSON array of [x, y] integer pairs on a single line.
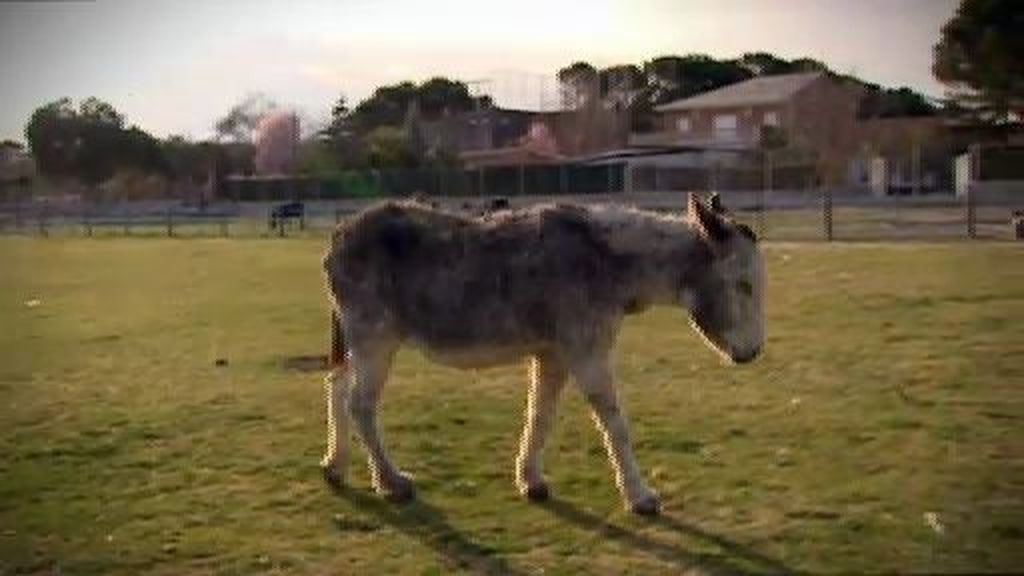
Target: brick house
[[810, 111]]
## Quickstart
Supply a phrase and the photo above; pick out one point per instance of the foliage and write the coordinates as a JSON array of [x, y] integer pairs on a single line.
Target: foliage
[[388, 146], [773, 138], [673, 77], [316, 156], [388, 105], [131, 184], [981, 52], [879, 102], [241, 121], [90, 143], [186, 161]]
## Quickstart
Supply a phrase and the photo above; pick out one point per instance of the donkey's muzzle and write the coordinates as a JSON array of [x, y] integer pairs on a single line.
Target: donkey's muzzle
[[746, 356]]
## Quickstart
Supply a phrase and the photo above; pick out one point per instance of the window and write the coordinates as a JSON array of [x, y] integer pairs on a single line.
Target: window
[[683, 124], [725, 126], [770, 118]]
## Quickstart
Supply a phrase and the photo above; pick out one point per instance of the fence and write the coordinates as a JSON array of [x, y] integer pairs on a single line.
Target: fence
[[780, 200]]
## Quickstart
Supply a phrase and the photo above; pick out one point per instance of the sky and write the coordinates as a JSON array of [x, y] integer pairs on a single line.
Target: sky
[[174, 67]]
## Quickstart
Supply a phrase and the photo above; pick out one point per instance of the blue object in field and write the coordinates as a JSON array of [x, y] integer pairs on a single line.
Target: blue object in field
[[283, 212]]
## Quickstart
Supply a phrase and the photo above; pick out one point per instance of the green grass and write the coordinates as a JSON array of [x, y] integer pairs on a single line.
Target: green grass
[[890, 389]]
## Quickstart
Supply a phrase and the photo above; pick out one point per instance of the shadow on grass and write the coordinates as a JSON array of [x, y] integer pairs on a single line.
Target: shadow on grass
[[734, 559], [420, 520]]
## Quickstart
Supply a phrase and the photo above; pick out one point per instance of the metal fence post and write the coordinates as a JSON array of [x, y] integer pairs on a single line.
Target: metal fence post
[[765, 189], [17, 210], [828, 213], [42, 222], [975, 163]]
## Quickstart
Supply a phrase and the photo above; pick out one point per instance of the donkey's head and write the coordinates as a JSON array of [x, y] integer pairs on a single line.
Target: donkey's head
[[725, 299]]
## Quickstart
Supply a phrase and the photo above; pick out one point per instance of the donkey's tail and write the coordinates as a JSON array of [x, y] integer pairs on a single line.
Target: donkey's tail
[[336, 358]]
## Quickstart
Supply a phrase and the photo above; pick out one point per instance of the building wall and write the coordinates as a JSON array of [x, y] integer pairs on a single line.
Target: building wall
[[749, 122]]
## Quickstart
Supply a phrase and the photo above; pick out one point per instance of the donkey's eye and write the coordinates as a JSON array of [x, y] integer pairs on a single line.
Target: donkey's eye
[[745, 287]]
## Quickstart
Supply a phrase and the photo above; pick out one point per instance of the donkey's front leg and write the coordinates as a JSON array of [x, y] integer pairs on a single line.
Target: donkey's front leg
[[594, 377], [370, 370], [547, 377], [335, 462]]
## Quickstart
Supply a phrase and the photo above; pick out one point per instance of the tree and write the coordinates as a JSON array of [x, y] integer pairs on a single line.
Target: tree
[[579, 84], [980, 55], [765, 64], [186, 161], [241, 121], [673, 77], [387, 106], [879, 102], [90, 143], [388, 147], [439, 96], [52, 134]]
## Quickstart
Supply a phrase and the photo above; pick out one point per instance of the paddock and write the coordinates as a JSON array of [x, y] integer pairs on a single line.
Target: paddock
[[153, 423]]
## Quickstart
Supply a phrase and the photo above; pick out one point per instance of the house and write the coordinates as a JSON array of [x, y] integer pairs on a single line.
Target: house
[[812, 110], [904, 155]]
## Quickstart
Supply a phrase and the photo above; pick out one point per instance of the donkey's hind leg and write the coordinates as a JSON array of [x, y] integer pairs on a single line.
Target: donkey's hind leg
[[547, 378], [369, 369]]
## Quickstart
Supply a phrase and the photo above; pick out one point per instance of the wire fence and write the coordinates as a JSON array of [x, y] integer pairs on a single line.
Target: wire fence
[[976, 196], [807, 215]]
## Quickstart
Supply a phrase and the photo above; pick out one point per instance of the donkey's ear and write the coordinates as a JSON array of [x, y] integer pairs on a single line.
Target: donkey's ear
[[710, 225], [715, 203]]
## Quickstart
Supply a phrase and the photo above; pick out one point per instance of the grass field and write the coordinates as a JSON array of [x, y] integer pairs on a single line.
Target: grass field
[[880, 432]]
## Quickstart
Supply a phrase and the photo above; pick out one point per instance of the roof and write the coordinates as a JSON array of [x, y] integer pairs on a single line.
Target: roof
[[507, 156], [759, 90]]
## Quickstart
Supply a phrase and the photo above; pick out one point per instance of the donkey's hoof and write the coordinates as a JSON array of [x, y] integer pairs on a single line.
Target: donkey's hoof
[[647, 506], [331, 476], [399, 489], [537, 492]]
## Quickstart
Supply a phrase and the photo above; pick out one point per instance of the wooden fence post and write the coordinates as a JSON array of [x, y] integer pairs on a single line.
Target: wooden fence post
[[170, 223]]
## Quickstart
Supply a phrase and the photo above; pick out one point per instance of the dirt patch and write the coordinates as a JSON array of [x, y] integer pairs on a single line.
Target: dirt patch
[[306, 363]]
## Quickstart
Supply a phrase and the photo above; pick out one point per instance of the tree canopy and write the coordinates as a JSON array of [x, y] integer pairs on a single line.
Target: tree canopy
[[388, 105], [980, 53], [88, 143]]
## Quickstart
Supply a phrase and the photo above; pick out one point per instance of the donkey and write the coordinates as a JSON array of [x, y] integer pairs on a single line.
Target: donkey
[[552, 283]]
